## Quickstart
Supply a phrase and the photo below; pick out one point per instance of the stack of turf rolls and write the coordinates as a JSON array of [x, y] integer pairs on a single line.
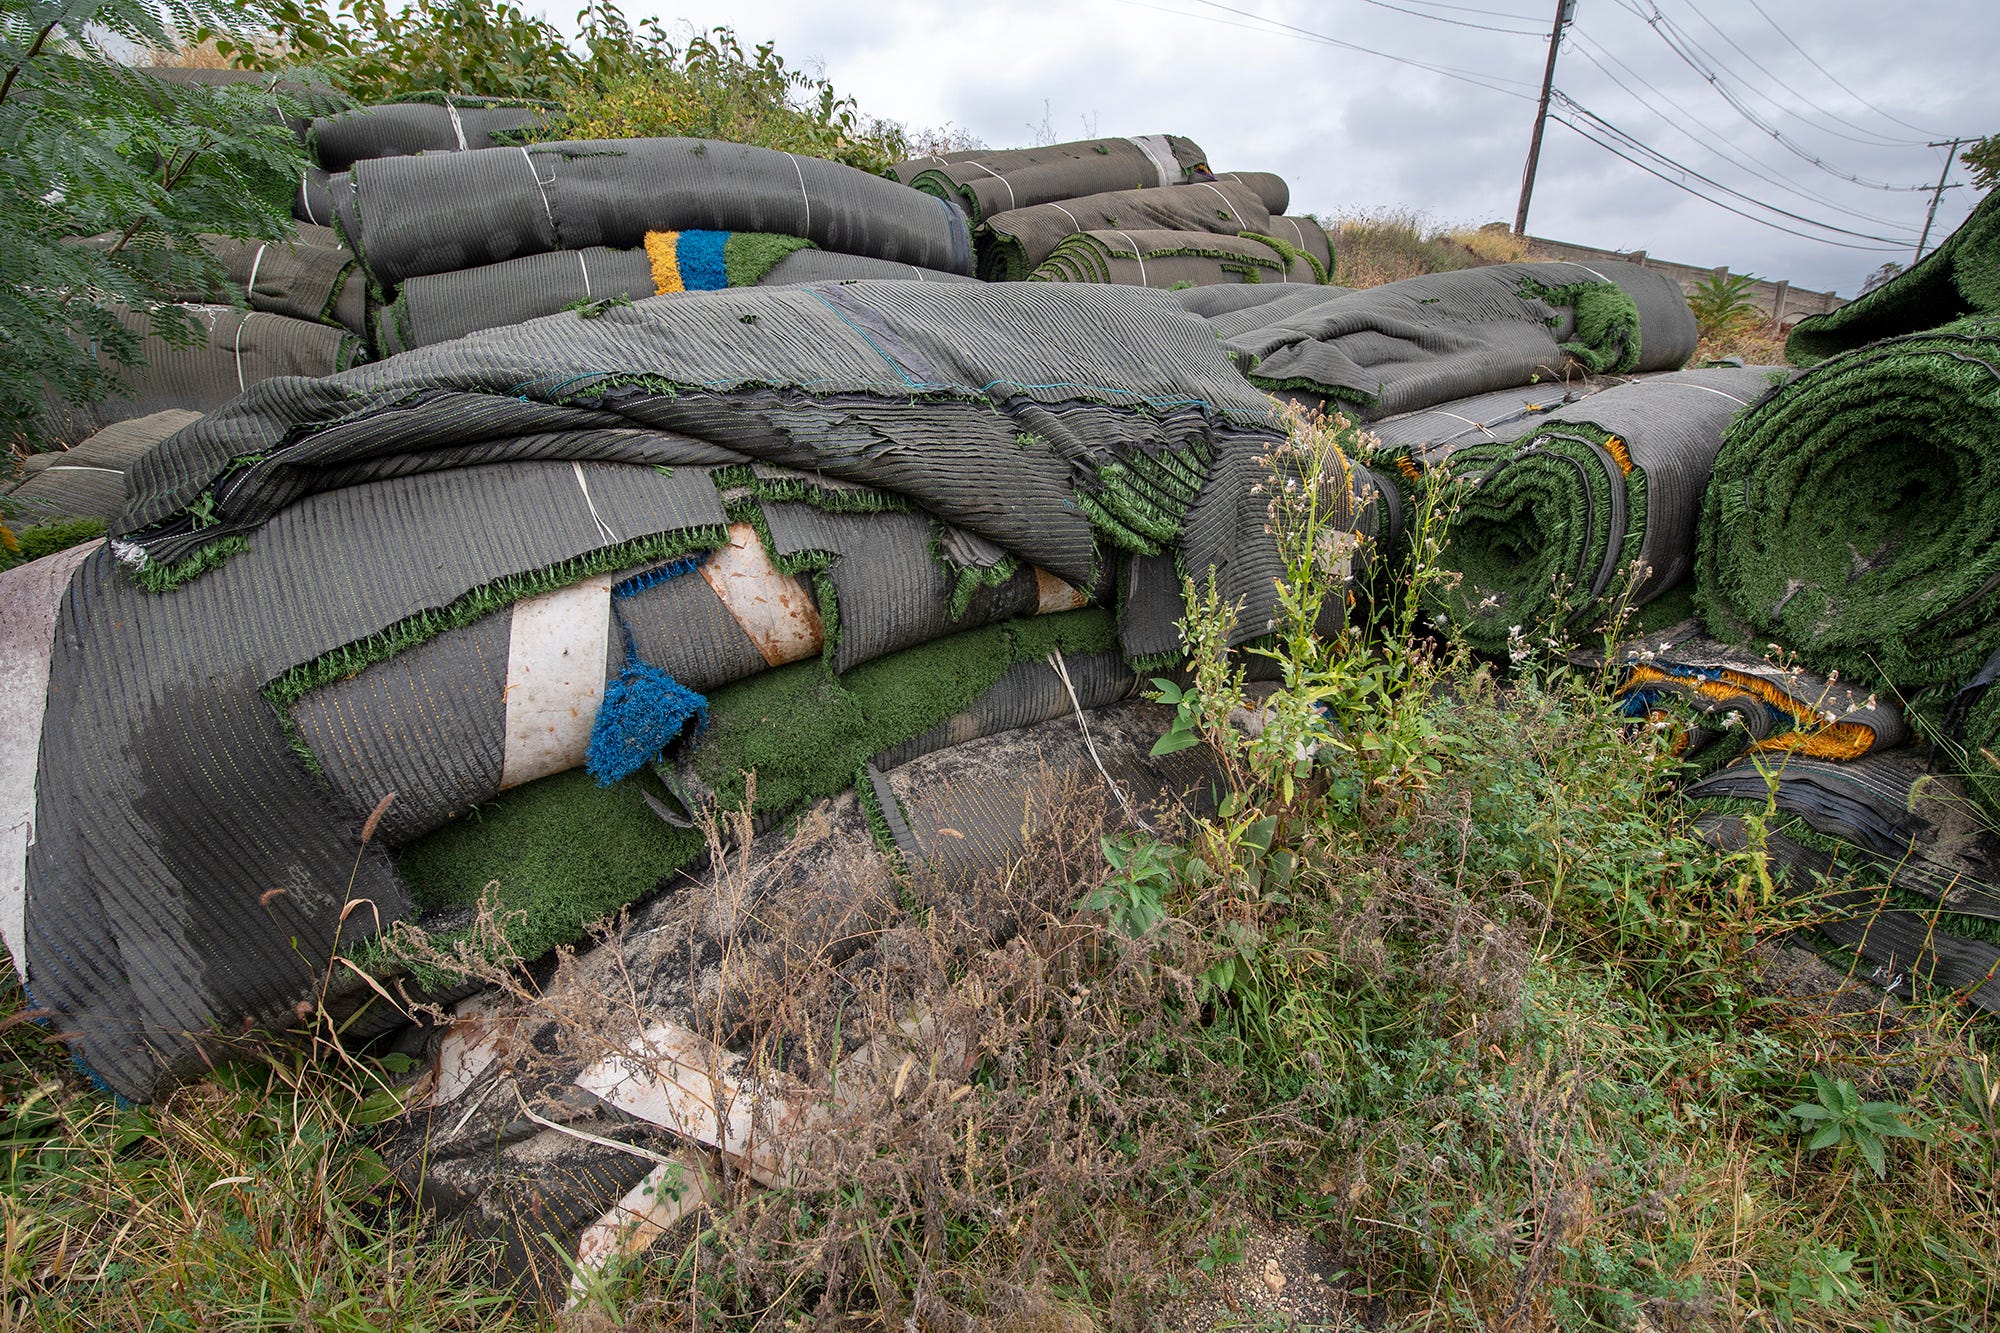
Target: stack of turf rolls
[[459, 242], [1144, 212], [781, 530]]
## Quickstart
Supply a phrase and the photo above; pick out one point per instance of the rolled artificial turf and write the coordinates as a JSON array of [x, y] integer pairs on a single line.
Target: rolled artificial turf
[[1958, 279], [1853, 514], [1591, 510]]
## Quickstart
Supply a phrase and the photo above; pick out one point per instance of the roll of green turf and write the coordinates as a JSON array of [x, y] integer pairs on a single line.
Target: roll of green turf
[[1854, 515], [1592, 509], [1959, 278], [1019, 241], [1168, 259]]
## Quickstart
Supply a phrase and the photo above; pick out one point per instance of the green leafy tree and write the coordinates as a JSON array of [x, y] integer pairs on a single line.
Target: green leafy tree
[[1983, 158], [382, 52], [91, 147], [640, 83]]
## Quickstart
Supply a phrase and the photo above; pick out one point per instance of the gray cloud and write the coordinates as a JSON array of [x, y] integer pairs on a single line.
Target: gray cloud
[[1354, 132]]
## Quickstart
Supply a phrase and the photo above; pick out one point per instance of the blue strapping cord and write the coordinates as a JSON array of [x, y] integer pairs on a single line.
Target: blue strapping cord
[[652, 578]]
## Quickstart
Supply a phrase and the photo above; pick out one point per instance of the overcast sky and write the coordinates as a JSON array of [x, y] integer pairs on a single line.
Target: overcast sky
[[1354, 131]]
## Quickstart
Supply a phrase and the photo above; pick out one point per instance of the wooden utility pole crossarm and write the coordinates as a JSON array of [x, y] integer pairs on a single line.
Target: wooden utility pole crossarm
[[1565, 11]]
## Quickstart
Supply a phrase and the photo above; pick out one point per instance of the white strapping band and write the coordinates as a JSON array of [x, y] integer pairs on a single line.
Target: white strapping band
[[584, 264], [250, 287], [604, 529], [541, 187], [240, 386], [1003, 180], [1136, 255], [306, 198], [804, 194], [1224, 198], [457, 127]]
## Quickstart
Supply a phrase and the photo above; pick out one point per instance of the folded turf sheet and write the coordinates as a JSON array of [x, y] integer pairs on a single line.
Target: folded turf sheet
[[1591, 509], [1423, 341], [1959, 278], [1015, 243], [1853, 513], [426, 577]]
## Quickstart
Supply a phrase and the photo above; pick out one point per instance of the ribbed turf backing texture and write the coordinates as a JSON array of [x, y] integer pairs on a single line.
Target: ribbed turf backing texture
[[336, 557], [1593, 508], [244, 349], [88, 479], [438, 307], [1427, 340], [1015, 243], [1219, 304], [1030, 693], [1433, 434], [438, 213], [985, 182], [305, 278], [1852, 513], [1309, 238], [1167, 259], [313, 277], [402, 129], [1959, 278]]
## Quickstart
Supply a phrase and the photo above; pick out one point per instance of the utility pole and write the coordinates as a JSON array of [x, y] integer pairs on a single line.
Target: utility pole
[[1565, 11], [1936, 193]]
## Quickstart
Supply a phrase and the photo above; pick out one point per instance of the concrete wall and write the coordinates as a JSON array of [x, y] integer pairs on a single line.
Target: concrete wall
[[1784, 303]]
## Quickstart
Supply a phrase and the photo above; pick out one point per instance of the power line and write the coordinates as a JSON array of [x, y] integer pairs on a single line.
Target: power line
[[1639, 146], [1875, 139], [1830, 78], [1474, 9], [1664, 28], [1475, 77], [1717, 142], [1682, 185], [1456, 23]]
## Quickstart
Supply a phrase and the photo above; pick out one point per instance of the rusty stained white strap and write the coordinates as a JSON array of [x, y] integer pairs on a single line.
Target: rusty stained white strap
[[776, 610], [556, 653], [681, 1081], [1053, 594], [30, 600]]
